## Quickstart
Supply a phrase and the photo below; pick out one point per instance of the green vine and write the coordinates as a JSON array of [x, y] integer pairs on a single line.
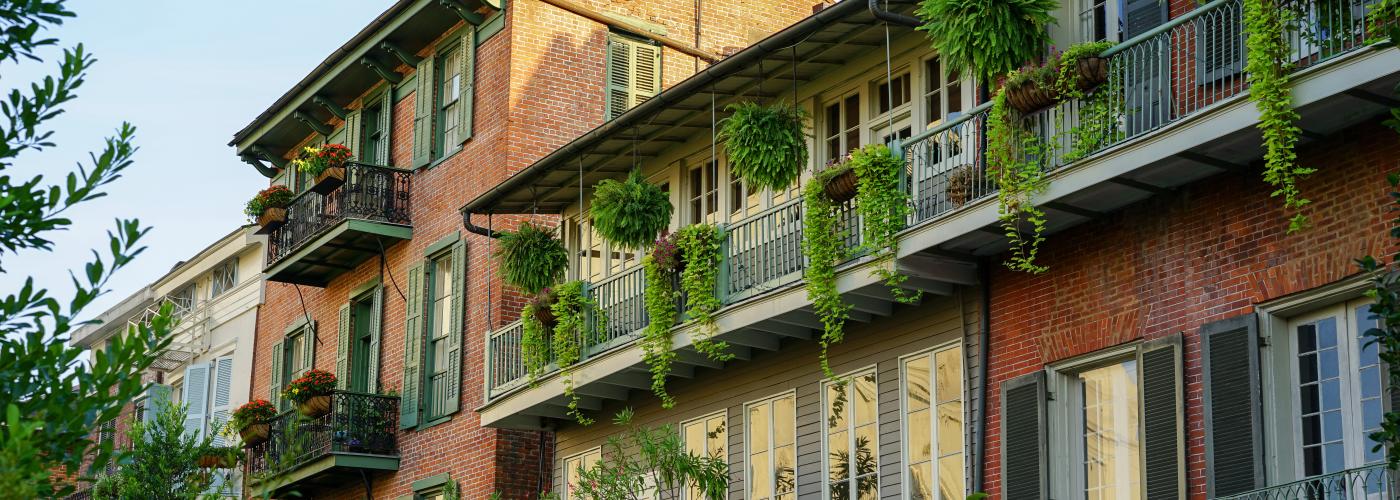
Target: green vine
[[534, 344], [1100, 109], [823, 243], [699, 245], [1014, 158], [571, 309], [660, 298], [1269, 54], [884, 209]]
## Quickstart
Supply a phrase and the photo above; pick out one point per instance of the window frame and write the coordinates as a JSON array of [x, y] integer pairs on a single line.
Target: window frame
[[748, 445], [224, 271], [841, 99], [564, 467], [440, 110], [431, 338], [878, 121], [850, 428], [1065, 419], [931, 354], [703, 420]]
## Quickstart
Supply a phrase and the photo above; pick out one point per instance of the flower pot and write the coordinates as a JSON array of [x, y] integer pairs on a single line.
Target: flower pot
[[1092, 72], [216, 459], [960, 184], [544, 314], [271, 219], [255, 434], [315, 406], [1030, 97], [842, 187], [328, 180]]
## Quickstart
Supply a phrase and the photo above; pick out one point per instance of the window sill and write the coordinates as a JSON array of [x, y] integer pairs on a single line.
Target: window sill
[[433, 423], [448, 156]]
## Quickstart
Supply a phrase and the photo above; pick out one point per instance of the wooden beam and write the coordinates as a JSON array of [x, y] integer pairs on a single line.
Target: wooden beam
[[940, 270], [1139, 185], [398, 52], [385, 72], [312, 123], [867, 304], [784, 329], [1372, 97], [753, 339], [463, 12], [690, 357], [276, 161], [628, 379], [1210, 161], [1071, 209], [604, 391], [334, 108]]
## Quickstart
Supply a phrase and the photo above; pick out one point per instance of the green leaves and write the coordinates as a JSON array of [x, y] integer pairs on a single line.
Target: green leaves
[[1014, 157], [700, 246], [532, 258], [884, 209], [660, 298], [652, 462], [987, 38], [1269, 56], [823, 243], [766, 145], [630, 213], [571, 309]]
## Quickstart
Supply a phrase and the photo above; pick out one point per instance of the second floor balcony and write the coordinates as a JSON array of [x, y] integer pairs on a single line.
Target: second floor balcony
[[305, 453], [327, 235]]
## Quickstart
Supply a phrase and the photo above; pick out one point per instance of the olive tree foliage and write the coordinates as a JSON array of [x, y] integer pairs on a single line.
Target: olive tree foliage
[[52, 400]]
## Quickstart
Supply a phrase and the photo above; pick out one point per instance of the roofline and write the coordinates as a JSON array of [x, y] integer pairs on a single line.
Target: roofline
[[195, 259], [725, 68]]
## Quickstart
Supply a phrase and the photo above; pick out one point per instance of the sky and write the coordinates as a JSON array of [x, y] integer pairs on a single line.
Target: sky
[[187, 74]]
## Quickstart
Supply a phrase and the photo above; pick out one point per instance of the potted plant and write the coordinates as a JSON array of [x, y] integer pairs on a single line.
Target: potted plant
[[838, 180], [1033, 87], [217, 457], [311, 392], [986, 39], [630, 213], [960, 184], [531, 257], [325, 163], [251, 421], [269, 208], [541, 307], [1082, 67], [767, 145]]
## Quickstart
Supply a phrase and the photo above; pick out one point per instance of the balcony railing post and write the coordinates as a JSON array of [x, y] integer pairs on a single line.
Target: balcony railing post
[[722, 282]]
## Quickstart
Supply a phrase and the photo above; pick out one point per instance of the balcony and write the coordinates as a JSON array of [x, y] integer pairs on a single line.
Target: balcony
[[1182, 115], [327, 235], [1368, 482], [304, 454]]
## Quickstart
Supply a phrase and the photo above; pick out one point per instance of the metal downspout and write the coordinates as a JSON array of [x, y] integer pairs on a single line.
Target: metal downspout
[[979, 472], [475, 229], [891, 17]]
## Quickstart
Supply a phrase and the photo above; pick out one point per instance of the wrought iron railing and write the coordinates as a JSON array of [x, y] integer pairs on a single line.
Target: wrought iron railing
[[1374, 482], [370, 192], [357, 423], [1161, 77]]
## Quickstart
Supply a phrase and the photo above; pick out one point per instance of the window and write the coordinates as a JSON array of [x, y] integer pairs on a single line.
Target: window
[[634, 73], [291, 356], [851, 437], [705, 437], [893, 110], [1337, 385], [1100, 20], [943, 94], [183, 300], [447, 96], [933, 425], [842, 121], [439, 329], [770, 429], [703, 192], [1098, 421], [573, 465], [223, 278], [884, 100], [374, 120]]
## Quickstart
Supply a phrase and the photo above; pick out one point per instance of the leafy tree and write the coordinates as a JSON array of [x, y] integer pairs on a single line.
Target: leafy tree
[[650, 463], [52, 402], [164, 462]]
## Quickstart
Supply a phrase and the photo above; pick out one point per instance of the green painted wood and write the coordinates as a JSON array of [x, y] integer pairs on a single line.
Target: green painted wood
[[429, 482], [493, 25], [353, 133], [454, 336], [467, 54], [423, 114], [308, 349], [375, 319], [310, 249], [274, 395], [386, 128], [413, 348], [345, 336]]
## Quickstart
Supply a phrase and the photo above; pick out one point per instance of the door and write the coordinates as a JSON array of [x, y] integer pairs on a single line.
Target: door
[[362, 327]]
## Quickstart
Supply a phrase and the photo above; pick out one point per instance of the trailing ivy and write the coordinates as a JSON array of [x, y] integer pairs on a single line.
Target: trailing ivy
[[884, 209], [1385, 291], [531, 257], [823, 244], [534, 344], [987, 38], [699, 245], [630, 213], [571, 310], [766, 145], [660, 298], [1269, 56], [1014, 158], [1100, 109]]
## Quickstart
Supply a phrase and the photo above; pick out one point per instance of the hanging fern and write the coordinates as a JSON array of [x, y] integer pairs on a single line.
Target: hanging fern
[[699, 245], [531, 257], [987, 38], [884, 209], [571, 311], [1014, 158], [766, 145], [1269, 54], [823, 243], [630, 213]]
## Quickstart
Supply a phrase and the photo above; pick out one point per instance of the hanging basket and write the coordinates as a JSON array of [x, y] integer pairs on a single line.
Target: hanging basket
[[271, 219], [1092, 72], [218, 458], [544, 314], [842, 187], [315, 406], [329, 180], [960, 184], [255, 434], [1030, 97]]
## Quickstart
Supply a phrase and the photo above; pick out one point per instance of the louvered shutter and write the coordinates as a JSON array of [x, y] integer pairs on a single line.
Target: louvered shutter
[[412, 348], [274, 392], [1023, 437], [196, 399], [423, 114], [384, 154], [454, 336], [352, 134], [646, 76], [308, 347], [619, 75], [372, 384], [1160, 373], [1234, 451], [467, 65], [345, 336], [221, 399]]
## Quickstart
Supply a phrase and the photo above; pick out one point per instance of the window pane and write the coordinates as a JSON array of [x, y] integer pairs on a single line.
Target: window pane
[[949, 363], [783, 421], [760, 485], [1111, 456], [916, 383], [758, 427], [920, 438], [921, 481], [865, 410]]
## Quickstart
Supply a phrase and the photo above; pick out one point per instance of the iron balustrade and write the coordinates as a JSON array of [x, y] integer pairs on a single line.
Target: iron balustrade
[[1180, 69], [370, 192], [1374, 482], [357, 423]]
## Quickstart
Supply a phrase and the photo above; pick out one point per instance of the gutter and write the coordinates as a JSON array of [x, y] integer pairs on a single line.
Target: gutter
[[724, 68]]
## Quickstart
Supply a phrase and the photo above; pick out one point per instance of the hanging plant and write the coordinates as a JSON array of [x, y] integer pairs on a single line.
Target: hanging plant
[[699, 245], [1014, 159], [1032, 88], [987, 38], [572, 308], [660, 298], [269, 208], [823, 244], [630, 213], [536, 323], [326, 164], [532, 258], [1082, 67], [1268, 53], [1082, 74], [767, 145], [884, 210]]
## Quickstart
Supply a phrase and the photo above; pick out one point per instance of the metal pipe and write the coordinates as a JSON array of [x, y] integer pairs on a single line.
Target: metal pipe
[[979, 472], [635, 29], [475, 229], [891, 17]]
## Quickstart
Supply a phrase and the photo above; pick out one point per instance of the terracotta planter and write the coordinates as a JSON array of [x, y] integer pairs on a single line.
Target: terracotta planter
[[218, 459], [1092, 72], [255, 434], [315, 406], [329, 180], [842, 187], [960, 184], [1031, 97], [271, 219]]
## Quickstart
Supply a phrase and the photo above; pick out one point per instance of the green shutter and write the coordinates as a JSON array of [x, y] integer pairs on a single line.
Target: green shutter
[[344, 335], [423, 114], [353, 133], [1234, 446], [1163, 455], [308, 347], [646, 71], [374, 318], [274, 393], [634, 73], [454, 336], [386, 128], [412, 348], [1023, 437], [467, 53]]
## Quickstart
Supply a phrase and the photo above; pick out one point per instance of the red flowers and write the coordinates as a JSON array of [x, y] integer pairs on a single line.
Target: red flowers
[[313, 383], [276, 196], [252, 412]]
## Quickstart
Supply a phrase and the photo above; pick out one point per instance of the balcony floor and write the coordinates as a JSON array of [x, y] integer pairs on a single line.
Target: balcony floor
[[340, 249]]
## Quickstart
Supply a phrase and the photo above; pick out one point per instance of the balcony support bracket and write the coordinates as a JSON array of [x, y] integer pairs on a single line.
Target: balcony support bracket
[[335, 109], [312, 123], [379, 68]]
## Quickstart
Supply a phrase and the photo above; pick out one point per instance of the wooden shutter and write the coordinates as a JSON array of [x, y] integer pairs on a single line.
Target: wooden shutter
[[646, 77], [308, 347], [345, 338], [274, 393], [353, 133], [467, 65], [1140, 16], [412, 348], [372, 384], [1163, 455], [386, 128], [454, 336], [634, 73], [1023, 437], [423, 114], [196, 399], [1234, 451], [221, 399]]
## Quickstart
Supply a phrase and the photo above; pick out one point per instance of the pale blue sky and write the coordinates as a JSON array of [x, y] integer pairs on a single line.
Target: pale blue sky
[[188, 74]]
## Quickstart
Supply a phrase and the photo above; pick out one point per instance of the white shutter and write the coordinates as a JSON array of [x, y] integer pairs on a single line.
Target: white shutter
[[219, 406], [196, 398]]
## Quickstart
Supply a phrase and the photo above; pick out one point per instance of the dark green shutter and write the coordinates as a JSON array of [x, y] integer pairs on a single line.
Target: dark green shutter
[[423, 114], [308, 347], [454, 336], [372, 385], [467, 65], [634, 73], [274, 393], [344, 334], [412, 348], [1234, 452], [1163, 456], [353, 134], [386, 128], [1023, 446]]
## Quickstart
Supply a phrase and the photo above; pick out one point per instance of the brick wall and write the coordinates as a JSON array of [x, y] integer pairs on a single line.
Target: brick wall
[[1208, 251]]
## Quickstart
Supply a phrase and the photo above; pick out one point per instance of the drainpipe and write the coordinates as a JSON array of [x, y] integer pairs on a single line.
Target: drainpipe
[[893, 18], [978, 472], [475, 229]]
